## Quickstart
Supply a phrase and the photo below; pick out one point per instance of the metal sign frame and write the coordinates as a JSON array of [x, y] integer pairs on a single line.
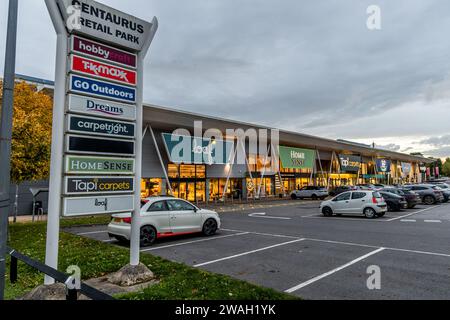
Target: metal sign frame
[[57, 147]]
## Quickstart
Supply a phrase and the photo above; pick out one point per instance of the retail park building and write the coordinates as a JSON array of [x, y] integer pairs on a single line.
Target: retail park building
[[325, 161]]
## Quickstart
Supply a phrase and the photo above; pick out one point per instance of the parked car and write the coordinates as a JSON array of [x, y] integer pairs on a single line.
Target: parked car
[[430, 194], [445, 191], [394, 202], [310, 192], [363, 202], [411, 197], [366, 186], [163, 217], [341, 189]]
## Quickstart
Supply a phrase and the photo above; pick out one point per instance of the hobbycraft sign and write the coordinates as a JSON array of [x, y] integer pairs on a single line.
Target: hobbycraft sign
[[103, 52], [107, 24]]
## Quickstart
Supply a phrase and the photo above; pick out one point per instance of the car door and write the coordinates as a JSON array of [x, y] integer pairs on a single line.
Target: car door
[[184, 217], [358, 202], [341, 203], [158, 215]]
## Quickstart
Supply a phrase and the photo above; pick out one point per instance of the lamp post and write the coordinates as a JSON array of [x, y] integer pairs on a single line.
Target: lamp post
[[6, 135]]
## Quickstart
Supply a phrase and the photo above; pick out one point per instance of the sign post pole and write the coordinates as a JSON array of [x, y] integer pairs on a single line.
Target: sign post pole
[[135, 244], [56, 161], [6, 134]]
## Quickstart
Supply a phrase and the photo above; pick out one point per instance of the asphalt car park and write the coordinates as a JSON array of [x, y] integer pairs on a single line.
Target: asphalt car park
[[297, 250]]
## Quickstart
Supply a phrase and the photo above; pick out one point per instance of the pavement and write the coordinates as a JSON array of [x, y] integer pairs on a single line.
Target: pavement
[[293, 248]]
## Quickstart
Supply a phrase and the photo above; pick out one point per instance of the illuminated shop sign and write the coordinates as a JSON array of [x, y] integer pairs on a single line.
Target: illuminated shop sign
[[296, 158], [349, 163]]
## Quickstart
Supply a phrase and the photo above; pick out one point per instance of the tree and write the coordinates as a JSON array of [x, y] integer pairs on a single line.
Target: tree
[[446, 168], [31, 136]]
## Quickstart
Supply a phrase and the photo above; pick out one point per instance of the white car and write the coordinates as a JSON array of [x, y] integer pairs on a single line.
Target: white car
[[366, 202], [164, 217], [310, 192]]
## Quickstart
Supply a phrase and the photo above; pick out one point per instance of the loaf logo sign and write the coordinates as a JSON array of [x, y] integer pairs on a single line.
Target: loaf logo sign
[[107, 24], [96, 165], [103, 52], [78, 124], [91, 145], [97, 107], [102, 70], [102, 89], [296, 158], [80, 185], [81, 206]]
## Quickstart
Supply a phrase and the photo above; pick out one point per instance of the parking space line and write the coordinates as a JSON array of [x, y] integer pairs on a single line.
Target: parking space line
[[247, 253], [408, 220], [315, 279], [344, 243], [263, 215], [433, 221], [194, 241], [264, 234], [420, 252], [408, 215], [91, 232]]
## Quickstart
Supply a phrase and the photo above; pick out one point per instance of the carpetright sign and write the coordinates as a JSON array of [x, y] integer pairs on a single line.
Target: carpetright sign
[[97, 114]]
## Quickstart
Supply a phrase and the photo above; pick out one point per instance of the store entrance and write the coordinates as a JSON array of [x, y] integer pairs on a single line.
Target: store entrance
[[190, 190]]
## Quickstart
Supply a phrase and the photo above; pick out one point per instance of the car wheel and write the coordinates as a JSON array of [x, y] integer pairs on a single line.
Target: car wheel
[[370, 213], [209, 227], [429, 200], [327, 212], [293, 197], [148, 236], [314, 197]]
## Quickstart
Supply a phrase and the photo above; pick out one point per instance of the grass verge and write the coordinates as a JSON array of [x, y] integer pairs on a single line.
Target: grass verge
[[177, 281]]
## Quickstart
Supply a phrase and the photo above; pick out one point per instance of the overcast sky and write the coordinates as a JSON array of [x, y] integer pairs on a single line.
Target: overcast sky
[[307, 66]]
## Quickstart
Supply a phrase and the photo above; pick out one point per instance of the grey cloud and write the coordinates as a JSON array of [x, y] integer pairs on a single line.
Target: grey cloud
[[311, 67], [437, 141]]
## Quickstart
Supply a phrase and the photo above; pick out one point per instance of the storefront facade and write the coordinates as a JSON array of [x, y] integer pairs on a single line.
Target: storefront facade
[[302, 160]]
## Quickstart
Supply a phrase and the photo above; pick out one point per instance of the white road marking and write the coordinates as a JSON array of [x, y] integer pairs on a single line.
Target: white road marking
[[408, 215], [263, 215], [408, 220], [315, 279], [91, 232], [433, 221], [247, 253], [264, 234], [195, 241]]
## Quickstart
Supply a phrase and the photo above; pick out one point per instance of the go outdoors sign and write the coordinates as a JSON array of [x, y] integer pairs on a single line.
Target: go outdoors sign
[[107, 24], [296, 158], [194, 150], [349, 163]]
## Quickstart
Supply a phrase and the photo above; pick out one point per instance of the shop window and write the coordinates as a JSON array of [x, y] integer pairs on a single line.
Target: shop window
[[173, 171], [187, 171], [151, 187], [201, 172]]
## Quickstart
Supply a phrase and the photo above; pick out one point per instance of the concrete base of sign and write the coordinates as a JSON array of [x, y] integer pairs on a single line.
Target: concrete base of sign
[[131, 275], [128, 279]]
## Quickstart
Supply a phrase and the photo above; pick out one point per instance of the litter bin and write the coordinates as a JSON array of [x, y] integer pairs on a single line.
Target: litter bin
[[38, 207]]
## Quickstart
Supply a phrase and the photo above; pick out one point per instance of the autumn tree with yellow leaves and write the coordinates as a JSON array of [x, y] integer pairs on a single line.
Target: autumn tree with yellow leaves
[[31, 137]]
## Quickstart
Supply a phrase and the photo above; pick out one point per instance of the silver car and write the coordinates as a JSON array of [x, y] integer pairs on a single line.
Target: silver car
[[310, 192], [163, 217], [362, 202]]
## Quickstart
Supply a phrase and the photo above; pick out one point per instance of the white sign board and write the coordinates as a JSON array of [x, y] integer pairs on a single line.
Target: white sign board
[[101, 108], [82, 206], [107, 24]]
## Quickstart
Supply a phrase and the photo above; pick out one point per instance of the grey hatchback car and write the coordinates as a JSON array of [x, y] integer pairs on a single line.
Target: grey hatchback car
[[430, 194]]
